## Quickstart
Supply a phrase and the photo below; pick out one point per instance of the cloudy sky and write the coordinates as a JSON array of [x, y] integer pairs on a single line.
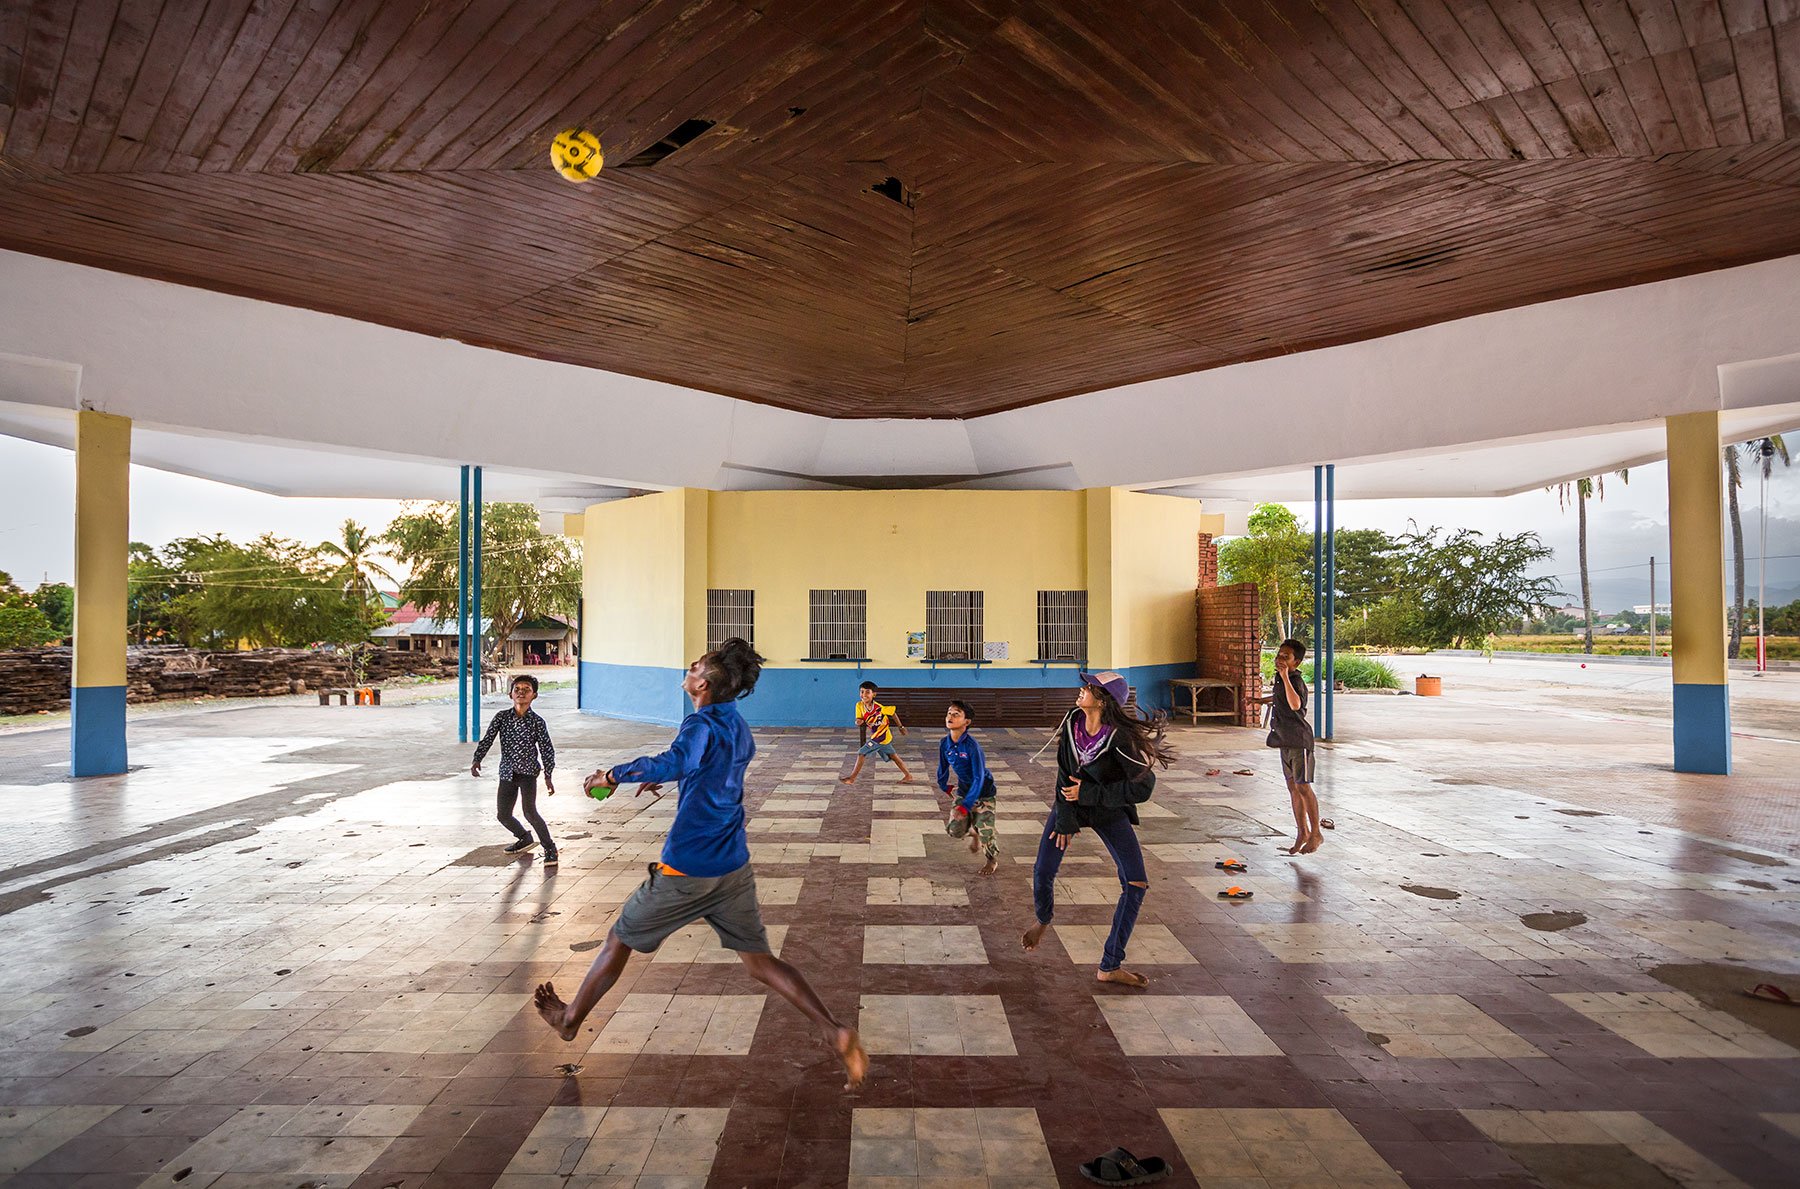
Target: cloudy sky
[[1624, 530]]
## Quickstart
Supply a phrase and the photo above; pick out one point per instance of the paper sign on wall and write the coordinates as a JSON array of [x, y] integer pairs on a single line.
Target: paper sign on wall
[[915, 646], [994, 650]]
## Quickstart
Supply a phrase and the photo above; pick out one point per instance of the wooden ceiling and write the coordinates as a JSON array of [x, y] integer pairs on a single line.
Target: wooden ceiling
[[1089, 192]]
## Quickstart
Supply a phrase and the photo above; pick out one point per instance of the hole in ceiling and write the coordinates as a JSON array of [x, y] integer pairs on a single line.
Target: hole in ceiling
[[690, 131], [1412, 262], [796, 112], [891, 188]]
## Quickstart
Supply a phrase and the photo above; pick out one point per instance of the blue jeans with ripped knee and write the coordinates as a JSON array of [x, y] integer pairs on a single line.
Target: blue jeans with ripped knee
[[1121, 842]]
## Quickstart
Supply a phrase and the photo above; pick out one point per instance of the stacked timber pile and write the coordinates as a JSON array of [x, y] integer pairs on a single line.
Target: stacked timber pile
[[37, 679], [34, 679]]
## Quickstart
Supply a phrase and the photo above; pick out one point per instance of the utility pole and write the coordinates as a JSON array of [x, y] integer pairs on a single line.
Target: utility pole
[[1762, 560], [1653, 607]]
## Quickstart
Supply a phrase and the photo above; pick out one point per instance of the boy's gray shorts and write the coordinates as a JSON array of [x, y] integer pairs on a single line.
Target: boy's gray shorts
[[881, 751], [1297, 764], [664, 904]]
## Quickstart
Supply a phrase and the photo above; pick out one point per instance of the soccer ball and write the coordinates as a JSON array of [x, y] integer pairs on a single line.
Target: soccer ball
[[576, 154]]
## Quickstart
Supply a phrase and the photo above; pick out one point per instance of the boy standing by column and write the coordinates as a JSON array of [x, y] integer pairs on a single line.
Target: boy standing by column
[[524, 739]]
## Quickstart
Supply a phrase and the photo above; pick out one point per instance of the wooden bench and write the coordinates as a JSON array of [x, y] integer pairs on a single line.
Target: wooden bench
[[342, 695], [1195, 687]]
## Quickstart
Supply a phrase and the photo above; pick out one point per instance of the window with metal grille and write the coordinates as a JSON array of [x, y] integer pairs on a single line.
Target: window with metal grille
[[839, 625], [953, 628], [730, 613], [1062, 625]]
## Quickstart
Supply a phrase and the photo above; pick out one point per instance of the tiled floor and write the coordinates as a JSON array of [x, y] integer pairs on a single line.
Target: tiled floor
[[287, 951]]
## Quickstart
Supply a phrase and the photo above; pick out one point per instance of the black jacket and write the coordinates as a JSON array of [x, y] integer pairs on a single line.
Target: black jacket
[[1112, 786]]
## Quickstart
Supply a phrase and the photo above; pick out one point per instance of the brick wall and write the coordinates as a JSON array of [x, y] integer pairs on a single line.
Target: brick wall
[[1209, 563], [1229, 639]]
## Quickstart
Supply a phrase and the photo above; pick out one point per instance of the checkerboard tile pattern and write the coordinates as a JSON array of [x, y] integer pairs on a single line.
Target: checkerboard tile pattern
[[326, 981]]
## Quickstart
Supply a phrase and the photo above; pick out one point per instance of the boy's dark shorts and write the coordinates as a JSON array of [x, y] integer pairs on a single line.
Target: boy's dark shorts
[[1297, 764], [664, 904]]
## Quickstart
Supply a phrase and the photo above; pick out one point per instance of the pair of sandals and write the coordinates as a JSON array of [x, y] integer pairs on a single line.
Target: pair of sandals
[[1119, 1167]]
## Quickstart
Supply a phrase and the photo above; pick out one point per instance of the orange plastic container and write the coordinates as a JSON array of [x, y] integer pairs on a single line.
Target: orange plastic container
[[1428, 687]]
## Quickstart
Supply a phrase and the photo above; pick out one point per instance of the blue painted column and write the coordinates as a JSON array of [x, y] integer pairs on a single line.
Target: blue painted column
[[102, 547], [462, 612], [1318, 571], [475, 640], [1329, 718], [1697, 594]]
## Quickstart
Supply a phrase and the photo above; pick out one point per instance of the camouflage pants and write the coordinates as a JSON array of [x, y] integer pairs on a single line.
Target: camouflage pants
[[981, 820]]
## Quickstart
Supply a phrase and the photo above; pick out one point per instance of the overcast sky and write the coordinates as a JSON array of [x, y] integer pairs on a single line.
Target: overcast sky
[[1624, 530]]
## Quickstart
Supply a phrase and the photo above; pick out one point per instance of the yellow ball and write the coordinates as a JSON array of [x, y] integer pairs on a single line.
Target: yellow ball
[[576, 154]]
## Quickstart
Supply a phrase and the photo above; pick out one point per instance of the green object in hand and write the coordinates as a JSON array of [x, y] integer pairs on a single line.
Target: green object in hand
[[600, 792]]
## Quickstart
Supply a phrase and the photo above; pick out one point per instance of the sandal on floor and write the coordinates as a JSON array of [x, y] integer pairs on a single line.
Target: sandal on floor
[[1232, 865], [1326, 823], [1236, 893], [1119, 1167], [1771, 993], [1244, 772]]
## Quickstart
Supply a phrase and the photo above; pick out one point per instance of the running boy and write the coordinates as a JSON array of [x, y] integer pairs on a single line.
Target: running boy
[[960, 755], [1289, 730], [705, 871], [877, 738], [524, 737]]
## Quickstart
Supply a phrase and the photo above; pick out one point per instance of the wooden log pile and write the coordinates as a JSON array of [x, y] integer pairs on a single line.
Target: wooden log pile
[[37, 679]]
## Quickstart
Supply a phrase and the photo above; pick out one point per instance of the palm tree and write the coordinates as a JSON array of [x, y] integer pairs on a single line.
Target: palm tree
[[356, 569], [1760, 453], [1583, 490]]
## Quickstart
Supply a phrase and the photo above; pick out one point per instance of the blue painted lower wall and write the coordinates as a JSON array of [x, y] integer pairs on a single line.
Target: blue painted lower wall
[[821, 695], [97, 730], [1703, 729]]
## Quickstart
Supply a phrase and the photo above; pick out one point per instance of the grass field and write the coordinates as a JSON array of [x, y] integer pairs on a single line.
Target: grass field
[[1781, 648]]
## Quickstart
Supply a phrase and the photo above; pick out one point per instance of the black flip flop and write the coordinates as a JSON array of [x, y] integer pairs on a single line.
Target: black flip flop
[[1235, 893], [1232, 865], [1119, 1167]]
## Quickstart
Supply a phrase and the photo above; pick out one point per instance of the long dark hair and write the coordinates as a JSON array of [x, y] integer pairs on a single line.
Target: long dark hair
[[732, 669], [1145, 739]]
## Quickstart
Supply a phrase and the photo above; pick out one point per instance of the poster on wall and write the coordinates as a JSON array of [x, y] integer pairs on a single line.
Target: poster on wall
[[915, 646], [994, 650]]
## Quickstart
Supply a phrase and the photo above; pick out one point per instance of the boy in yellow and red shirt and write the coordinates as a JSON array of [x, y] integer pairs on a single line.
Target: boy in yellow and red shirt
[[877, 738]]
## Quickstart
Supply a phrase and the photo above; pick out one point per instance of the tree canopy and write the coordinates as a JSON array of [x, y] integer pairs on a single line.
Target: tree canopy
[[1464, 587], [525, 573], [1276, 555]]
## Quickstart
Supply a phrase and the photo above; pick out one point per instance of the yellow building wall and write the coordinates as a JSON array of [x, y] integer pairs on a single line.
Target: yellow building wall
[[633, 581], [1152, 566], [896, 545]]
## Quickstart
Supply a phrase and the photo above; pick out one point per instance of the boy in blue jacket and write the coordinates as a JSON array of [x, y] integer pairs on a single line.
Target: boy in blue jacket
[[705, 870], [972, 814]]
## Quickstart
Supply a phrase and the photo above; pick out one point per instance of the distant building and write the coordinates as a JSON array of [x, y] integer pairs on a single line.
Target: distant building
[[550, 640], [1644, 609]]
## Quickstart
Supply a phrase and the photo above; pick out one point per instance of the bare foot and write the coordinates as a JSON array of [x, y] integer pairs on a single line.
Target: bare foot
[[974, 843], [1299, 845], [906, 780], [846, 780], [1313, 844], [1034, 935], [991, 866], [554, 1011], [1123, 977], [854, 1056]]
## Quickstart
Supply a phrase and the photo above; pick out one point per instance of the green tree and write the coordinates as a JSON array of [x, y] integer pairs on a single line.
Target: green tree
[[1581, 491], [1760, 454], [1276, 554], [1368, 569], [150, 591], [24, 626], [525, 573], [57, 601], [10, 594], [356, 568], [270, 592], [1464, 587]]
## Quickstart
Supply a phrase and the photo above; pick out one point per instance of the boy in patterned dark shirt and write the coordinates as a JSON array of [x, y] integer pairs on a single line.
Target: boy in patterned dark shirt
[[524, 738]]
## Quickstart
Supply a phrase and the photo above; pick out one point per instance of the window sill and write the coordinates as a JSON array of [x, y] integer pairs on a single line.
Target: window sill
[[835, 660]]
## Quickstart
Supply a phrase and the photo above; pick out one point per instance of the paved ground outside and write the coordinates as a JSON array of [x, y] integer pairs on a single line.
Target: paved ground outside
[[286, 950]]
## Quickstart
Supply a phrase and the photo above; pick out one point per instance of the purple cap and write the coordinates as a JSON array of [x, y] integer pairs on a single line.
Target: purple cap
[[1111, 682]]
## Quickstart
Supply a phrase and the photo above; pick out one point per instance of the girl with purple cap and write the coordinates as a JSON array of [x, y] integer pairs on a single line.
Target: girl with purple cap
[[1105, 761]]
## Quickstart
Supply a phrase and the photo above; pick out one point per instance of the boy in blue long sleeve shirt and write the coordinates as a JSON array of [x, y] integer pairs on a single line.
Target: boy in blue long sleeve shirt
[[960, 757], [705, 871]]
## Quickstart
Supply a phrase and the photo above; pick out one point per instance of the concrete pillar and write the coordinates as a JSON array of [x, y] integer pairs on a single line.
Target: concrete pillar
[[1697, 582], [102, 545]]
